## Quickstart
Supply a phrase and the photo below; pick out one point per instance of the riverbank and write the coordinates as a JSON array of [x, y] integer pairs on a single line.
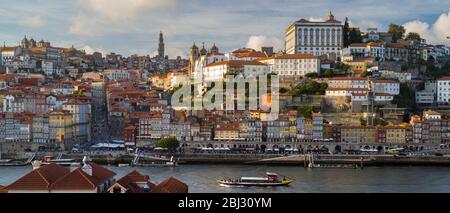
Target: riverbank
[[272, 160]]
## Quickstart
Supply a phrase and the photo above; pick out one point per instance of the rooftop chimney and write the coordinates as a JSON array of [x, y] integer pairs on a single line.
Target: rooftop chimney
[[36, 164], [87, 168]]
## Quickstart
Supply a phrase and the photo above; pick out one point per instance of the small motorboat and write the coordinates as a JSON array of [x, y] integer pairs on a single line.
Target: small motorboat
[[272, 179], [63, 162]]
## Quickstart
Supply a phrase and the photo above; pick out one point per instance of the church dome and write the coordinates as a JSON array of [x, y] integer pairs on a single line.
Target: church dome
[[214, 49], [203, 51]]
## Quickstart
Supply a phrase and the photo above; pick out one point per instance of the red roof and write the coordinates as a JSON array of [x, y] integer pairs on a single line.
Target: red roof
[[29, 81], [39, 179], [326, 21], [171, 185], [251, 55], [80, 180], [135, 176], [445, 78], [235, 63], [130, 181]]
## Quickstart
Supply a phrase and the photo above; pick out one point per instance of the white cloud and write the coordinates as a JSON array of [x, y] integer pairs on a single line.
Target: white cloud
[[436, 33], [315, 19], [119, 9], [80, 45], [363, 25], [32, 21], [99, 17], [258, 41], [89, 50]]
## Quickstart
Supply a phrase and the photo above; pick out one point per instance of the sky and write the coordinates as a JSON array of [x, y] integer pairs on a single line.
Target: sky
[[132, 26]]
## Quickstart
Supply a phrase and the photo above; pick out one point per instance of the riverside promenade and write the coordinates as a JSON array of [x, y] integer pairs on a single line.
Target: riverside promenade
[[115, 158]]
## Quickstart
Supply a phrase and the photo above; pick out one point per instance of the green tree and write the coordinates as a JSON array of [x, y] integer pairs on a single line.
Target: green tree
[[366, 73], [379, 122], [406, 98], [362, 121], [413, 36], [355, 36], [397, 32], [305, 110], [169, 143], [346, 32], [310, 88], [328, 73], [283, 90], [312, 75]]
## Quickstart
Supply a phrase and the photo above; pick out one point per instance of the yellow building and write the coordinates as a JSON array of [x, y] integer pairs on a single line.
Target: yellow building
[[358, 66], [358, 134], [395, 134], [60, 126], [229, 131]]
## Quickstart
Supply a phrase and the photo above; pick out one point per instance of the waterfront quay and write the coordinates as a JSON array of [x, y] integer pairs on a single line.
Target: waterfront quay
[[422, 158]]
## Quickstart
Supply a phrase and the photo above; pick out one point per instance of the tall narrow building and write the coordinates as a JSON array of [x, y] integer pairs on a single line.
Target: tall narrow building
[[161, 45], [193, 57]]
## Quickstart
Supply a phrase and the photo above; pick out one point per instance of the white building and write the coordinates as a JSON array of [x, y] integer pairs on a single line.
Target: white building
[[401, 76], [11, 104], [293, 64], [391, 87], [371, 49], [81, 119], [424, 97], [315, 37], [443, 90], [8, 54], [47, 68], [348, 82], [428, 95], [217, 71], [345, 92], [117, 74], [378, 97]]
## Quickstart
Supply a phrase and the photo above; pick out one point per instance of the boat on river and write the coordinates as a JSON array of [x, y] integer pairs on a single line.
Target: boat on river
[[272, 179], [59, 161], [11, 162]]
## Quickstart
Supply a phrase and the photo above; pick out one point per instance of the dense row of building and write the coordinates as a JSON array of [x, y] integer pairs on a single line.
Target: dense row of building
[[42, 57], [136, 102]]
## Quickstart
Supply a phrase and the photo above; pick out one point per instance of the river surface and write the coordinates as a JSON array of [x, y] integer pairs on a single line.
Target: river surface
[[202, 178]]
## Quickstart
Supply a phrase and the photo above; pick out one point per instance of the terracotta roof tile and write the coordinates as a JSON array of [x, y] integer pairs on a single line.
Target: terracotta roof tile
[[79, 180], [39, 179], [2, 190], [130, 181], [251, 55], [135, 176], [235, 63], [445, 78], [171, 185]]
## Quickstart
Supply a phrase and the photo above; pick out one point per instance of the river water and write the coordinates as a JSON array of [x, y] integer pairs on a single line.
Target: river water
[[202, 178]]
